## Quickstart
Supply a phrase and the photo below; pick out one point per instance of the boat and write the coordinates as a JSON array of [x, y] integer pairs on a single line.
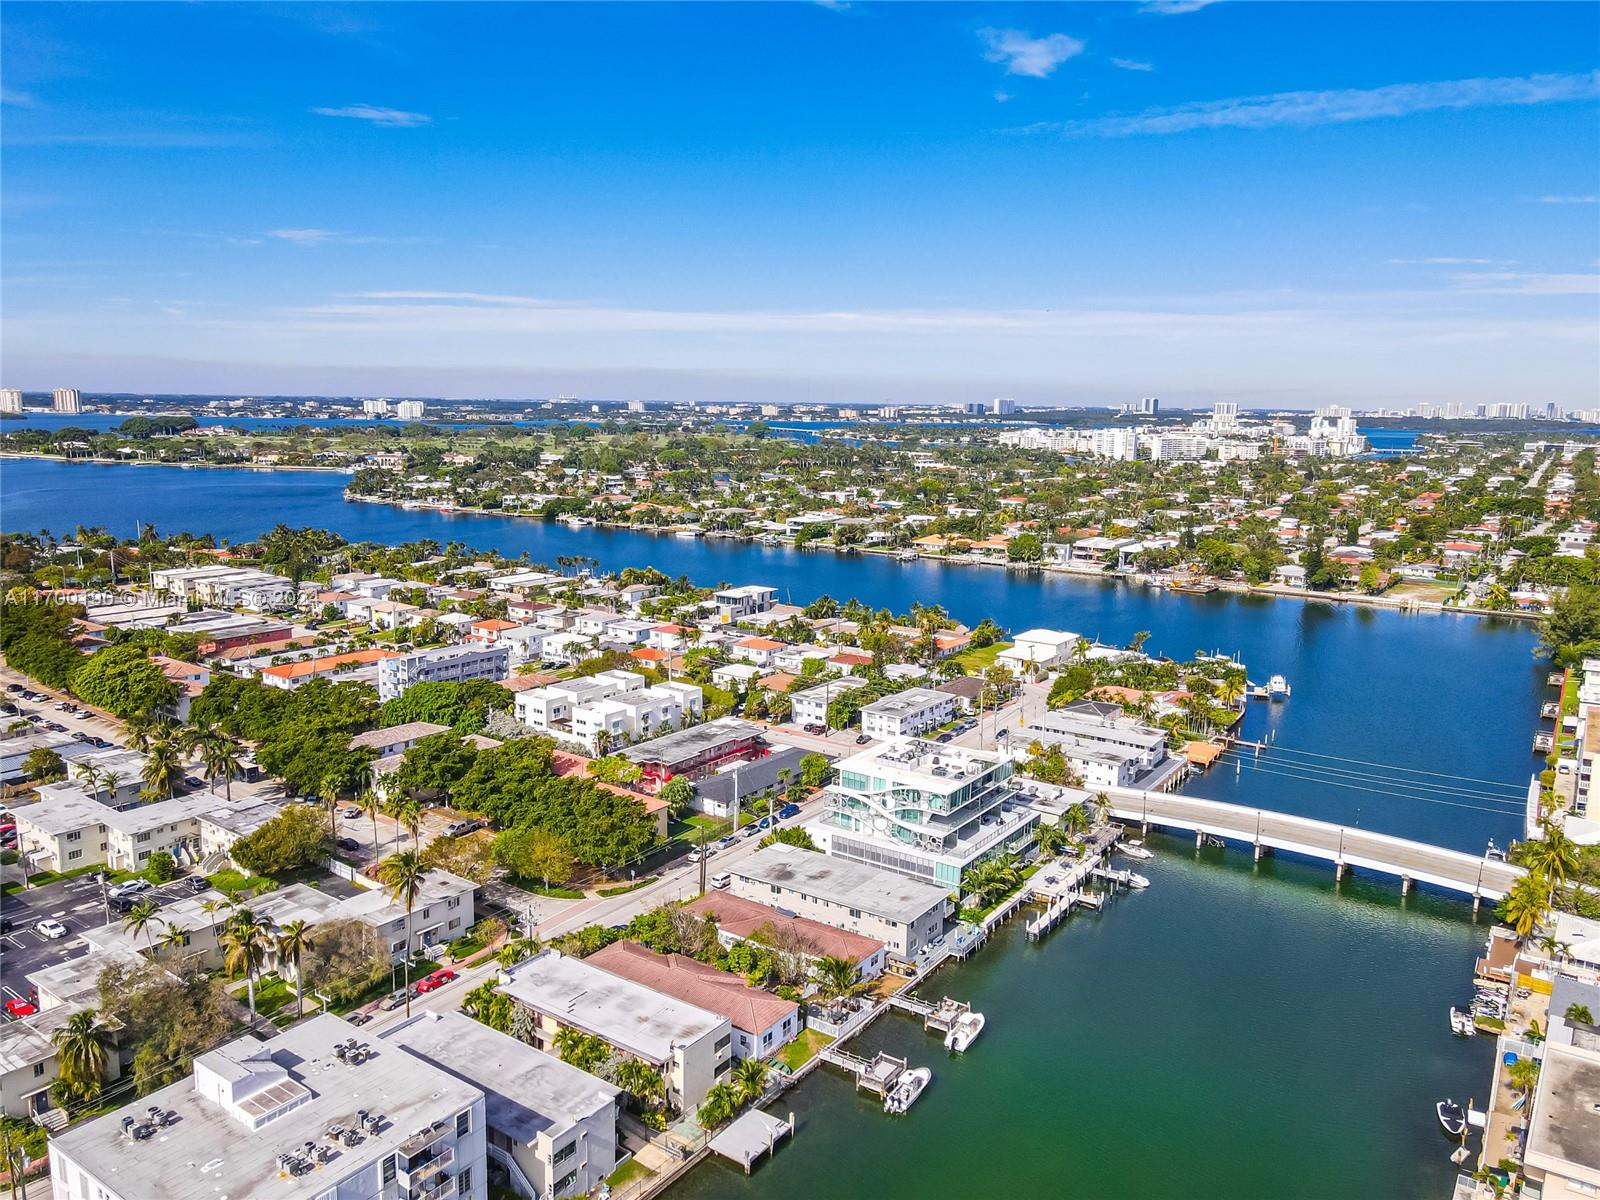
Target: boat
[[906, 1089], [1462, 1024], [1277, 688], [688, 531], [1134, 848], [964, 1032], [766, 539], [1452, 1117], [1192, 587], [1135, 880], [906, 556]]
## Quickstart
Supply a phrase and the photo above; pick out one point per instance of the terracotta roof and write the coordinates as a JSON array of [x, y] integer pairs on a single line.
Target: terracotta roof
[[742, 918], [494, 625], [778, 681], [319, 666], [759, 643], [564, 763], [750, 1009]]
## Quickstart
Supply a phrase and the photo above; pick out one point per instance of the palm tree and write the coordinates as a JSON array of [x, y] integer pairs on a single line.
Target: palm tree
[[90, 774], [837, 977], [750, 1076], [401, 875], [721, 1103], [83, 1048], [1052, 839], [244, 943], [111, 781], [1526, 905], [371, 804], [1076, 818], [143, 919], [332, 783], [1553, 858], [294, 939], [640, 1080], [176, 937], [219, 753], [163, 765]]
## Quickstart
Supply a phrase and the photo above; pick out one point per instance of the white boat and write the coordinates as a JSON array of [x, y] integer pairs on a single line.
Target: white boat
[[1278, 688], [906, 1089], [906, 556], [1134, 849], [767, 539], [688, 531], [1462, 1024], [1451, 1116], [1135, 880], [964, 1032]]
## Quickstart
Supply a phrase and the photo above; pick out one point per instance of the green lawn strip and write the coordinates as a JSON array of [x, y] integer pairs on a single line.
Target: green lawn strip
[[624, 889], [804, 1048], [980, 658], [628, 1172]]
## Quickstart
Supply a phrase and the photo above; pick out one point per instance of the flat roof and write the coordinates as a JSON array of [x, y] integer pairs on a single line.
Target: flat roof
[[208, 1153], [913, 699], [526, 1091], [693, 741], [617, 1010], [840, 881], [1564, 1135], [411, 731]]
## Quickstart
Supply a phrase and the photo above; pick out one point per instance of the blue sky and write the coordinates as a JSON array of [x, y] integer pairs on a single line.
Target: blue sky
[[1279, 204]]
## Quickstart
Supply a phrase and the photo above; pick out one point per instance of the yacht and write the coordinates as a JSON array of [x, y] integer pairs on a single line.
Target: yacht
[[906, 556], [1135, 880], [1134, 848], [688, 531], [906, 1089], [1452, 1117], [1277, 688], [1462, 1024], [964, 1032]]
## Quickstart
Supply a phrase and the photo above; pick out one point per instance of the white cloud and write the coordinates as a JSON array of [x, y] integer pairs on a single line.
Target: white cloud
[[1336, 107], [392, 118], [17, 99], [1023, 54], [1569, 199], [1530, 283], [1442, 261], [1175, 8], [1002, 97], [1131, 64], [323, 237]]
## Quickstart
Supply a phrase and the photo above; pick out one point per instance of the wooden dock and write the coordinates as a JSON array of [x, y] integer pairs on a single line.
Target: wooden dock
[[876, 1075], [938, 1017]]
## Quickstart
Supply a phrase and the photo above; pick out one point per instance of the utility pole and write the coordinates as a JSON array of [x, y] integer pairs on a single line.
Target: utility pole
[[702, 860]]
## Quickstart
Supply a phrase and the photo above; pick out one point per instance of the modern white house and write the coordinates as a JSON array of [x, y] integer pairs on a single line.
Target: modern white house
[[736, 602], [315, 1113], [810, 707], [1034, 650], [925, 810], [690, 1046], [610, 708], [552, 1129], [904, 914], [910, 713], [450, 664]]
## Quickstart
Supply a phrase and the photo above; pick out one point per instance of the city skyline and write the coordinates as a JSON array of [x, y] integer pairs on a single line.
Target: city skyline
[[1279, 206]]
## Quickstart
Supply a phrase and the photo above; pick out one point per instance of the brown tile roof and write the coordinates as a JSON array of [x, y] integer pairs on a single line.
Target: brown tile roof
[[693, 982], [741, 918], [395, 734], [318, 666]]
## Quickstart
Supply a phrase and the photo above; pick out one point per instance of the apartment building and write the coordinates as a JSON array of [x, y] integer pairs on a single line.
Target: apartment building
[[1104, 747], [690, 1046], [227, 587], [762, 1022], [904, 914], [695, 752], [810, 707], [910, 713], [738, 602], [925, 810], [552, 1129], [610, 708], [69, 829], [448, 664], [354, 666], [311, 1114]]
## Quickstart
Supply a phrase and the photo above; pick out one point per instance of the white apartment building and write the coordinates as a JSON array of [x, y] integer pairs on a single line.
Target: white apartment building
[[1119, 444], [552, 1127], [448, 664], [1038, 649], [375, 408], [226, 587], [410, 410], [612, 707], [258, 1118], [66, 400], [738, 602], [1106, 751], [692, 1048], [908, 714], [925, 810], [69, 829], [904, 914], [11, 401], [810, 707]]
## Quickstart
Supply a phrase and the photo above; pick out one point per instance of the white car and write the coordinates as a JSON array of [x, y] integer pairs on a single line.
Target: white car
[[54, 930], [131, 888]]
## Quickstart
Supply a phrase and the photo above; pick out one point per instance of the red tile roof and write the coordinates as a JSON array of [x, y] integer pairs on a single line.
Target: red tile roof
[[750, 1009]]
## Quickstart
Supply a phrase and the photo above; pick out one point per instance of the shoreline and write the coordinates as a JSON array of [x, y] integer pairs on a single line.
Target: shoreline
[[1269, 591]]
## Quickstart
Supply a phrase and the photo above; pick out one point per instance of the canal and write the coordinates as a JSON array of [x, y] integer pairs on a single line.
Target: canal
[[1233, 1030]]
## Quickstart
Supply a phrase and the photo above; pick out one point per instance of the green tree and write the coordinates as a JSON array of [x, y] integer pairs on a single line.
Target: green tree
[[83, 1050], [750, 1077], [122, 680], [535, 853], [245, 939], [643, 1082], [43, 764], [721, 1103], [463, 706], [293, 941], [402, 876], [1572, 623], [433, 766], [581, 1050], [1025, 548], [1525, 906], [678, 793], [143, 919], [837, 978], [297, 837], [815, 771]]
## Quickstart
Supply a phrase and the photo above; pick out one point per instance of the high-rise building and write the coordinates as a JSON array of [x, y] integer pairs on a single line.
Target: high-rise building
[[410, 410], [1003, 407], [375, 408], [1149, 406], [636, 406], [1224, 414], [10, 400], [67, 400], [975, 408]]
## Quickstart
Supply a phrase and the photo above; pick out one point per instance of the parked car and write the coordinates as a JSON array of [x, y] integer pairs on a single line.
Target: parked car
[[199, 883], [393, 1001], [80, 736], [359, 1018], [437, 980], [352, 813], [19, 1007], [131, 888], [721, 881], [459, 828], [863, 739], [789, 810], [727, 841], [193, 781], [14, 688], [696, 856], [347, 843], [53, 930], [7, 925]]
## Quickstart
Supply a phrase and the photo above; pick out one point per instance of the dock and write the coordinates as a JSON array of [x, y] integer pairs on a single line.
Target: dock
[[876, 1075], [1058, 909], [938, 1017], [752, 1135]]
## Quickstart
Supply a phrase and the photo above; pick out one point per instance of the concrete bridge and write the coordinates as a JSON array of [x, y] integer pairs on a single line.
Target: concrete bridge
[[1343, 845]]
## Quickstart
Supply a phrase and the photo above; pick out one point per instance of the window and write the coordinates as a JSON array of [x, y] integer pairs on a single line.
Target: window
[[463, 1123], [38, 1069], [143, 837], [74, 835], [74, 854], [566, 1181], [766, 1039], [389, 1169], [397, 947], [564, 1154], [722, 1043], [464, 1182]]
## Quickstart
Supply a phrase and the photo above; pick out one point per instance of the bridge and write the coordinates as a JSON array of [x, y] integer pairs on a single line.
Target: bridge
[[1346, 846]]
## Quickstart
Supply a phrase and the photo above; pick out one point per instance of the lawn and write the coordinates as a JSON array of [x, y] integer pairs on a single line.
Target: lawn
[[803, 1049], [624, 889], [233, 883], [414, 971], [538, 889], [980, 658], [272, 996], [628, 1172], [688, 831]]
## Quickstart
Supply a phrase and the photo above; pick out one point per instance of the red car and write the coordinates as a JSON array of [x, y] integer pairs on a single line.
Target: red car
[[437, 980], [19, 1008]]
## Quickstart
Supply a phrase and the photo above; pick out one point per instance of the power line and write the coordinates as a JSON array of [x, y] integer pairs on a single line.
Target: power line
[[1389, 766], [1330, 773], [1381, 791]]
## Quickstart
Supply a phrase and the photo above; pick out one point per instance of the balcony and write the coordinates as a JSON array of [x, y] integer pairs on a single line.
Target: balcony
[[417, 1170]]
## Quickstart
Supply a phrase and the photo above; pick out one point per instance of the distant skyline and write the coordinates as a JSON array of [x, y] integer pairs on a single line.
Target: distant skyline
[[1283, 205]]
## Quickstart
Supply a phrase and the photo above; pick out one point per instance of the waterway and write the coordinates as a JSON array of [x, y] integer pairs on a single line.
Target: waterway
[[1231, 1031]]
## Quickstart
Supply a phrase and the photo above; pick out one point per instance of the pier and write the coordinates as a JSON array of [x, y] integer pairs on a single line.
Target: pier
[[1345, 846], [876, 1075], [938, 1017]]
